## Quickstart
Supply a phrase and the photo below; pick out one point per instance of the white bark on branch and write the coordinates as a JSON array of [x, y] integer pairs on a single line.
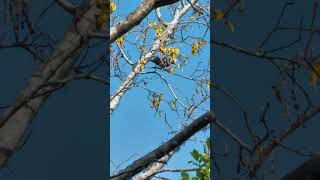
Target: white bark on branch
[[155, 167]]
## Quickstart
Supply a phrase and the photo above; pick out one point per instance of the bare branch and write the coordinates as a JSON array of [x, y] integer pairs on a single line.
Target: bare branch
[[304, 117], [67, 6]]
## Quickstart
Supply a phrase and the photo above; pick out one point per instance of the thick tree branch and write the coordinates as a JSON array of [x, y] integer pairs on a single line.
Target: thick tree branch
[[142, 163], [136, 17], [155, 168]]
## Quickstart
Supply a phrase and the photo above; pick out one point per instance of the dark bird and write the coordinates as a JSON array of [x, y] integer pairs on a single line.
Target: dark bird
[[162, 62]]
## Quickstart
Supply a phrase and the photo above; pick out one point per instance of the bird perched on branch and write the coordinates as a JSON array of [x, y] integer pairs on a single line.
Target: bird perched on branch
[[163, 62]]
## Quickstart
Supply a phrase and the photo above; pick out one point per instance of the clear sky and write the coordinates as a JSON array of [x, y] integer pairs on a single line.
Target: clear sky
[[134, 128]]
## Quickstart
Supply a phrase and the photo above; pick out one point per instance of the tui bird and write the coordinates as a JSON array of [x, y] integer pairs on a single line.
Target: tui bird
[[163, 62]]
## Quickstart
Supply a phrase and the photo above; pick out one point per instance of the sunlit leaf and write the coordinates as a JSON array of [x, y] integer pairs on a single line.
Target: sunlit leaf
[[185, 176], [171, 69], [172, 104], [195, 154]]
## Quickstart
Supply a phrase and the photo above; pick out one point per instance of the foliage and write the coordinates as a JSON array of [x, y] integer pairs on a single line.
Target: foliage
[[202, 162]]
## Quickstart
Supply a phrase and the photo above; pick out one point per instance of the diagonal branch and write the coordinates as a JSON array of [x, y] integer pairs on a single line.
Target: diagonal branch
[[155, 168], [136, 17], [301, 119], [67, 6], [175, 142]]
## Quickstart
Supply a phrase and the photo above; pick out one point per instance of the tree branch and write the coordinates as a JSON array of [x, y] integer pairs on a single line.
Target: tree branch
[[142, 163], [301, 119], [156, 168], [136, 17], [67, 6]]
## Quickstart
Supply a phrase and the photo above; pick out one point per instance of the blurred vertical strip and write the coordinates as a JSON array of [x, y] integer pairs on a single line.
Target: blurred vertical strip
[[5, 13], [108, 45], [211, 91]]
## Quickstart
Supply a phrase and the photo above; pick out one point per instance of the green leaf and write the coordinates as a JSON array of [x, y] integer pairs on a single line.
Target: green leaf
[[207, 172], [206, 157], [204, 148], [208, 165], [201, 158], [195, 154], [172, 104], [184, 175], [208, 142]]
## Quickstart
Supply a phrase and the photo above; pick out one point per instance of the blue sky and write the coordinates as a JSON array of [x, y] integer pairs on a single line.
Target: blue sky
[[134, 127]]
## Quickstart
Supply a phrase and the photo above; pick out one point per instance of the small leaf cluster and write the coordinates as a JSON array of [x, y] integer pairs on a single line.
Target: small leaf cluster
[[202, 162]]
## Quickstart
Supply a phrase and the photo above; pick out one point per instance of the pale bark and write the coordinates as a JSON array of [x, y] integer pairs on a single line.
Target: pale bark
[[155, 167]]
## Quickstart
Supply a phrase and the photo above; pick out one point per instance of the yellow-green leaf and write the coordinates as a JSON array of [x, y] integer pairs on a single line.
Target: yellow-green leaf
[[229, 25], [314, 75], [217, 14]]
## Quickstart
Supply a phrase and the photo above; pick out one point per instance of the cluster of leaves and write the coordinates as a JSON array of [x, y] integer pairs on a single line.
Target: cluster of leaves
[[208, 83], [173, 53], [107, 9], [196, 45], [202, 162], [156, 101], [159, 31], [143, 62], [120, 41]]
